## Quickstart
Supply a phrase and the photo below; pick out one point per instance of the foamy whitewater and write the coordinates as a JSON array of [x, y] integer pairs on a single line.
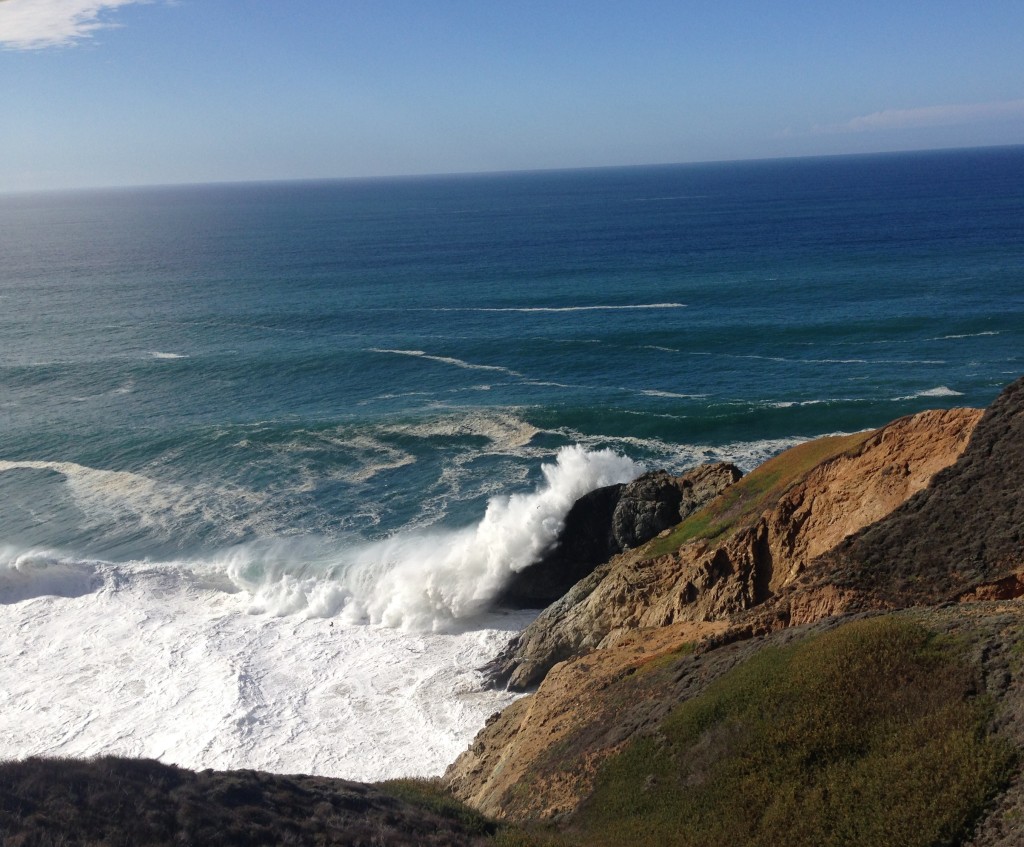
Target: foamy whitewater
[[268, 452], [257, 658]]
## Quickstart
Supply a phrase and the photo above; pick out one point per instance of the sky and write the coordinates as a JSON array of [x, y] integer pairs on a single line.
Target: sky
[[137, 92]]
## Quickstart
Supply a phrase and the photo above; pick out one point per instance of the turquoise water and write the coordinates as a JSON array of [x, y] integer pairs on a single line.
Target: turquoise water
[[184, 370]]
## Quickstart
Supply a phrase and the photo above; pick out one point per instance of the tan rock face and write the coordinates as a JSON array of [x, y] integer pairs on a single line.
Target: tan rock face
[[712, 580], [638, 604], [842, 496], [489, 775]]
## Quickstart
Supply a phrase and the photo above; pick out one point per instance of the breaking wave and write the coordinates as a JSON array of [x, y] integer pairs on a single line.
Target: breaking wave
[[425, 580], [415, 580]]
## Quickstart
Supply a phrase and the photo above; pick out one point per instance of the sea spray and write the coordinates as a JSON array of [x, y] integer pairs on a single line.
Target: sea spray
[[422, 581], [39, 573]]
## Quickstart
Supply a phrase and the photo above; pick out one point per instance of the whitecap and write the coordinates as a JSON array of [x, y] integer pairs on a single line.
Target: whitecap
[[964, 335], [447, 360], [598, 308], [938, 391], [671, 394]]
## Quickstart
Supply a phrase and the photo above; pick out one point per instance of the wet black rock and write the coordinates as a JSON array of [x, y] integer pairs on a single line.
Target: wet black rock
[[609, 520]]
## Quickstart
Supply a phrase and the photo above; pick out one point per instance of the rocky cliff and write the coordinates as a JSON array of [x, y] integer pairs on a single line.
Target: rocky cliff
[[755, 560], [961, 537], [747, 546]]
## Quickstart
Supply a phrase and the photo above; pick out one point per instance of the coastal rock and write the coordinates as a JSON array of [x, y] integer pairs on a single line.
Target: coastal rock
[[585, 541], [609, 520], [769, 532], [656, 501], [926, 512]]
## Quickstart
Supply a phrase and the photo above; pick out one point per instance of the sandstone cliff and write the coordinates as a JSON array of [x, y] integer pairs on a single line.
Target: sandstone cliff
[[746, 546], [963, 535]]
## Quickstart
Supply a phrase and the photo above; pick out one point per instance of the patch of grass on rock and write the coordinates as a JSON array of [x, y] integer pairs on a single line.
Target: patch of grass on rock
[[744, 501]]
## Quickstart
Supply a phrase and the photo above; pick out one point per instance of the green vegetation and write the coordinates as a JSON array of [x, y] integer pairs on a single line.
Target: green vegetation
[[741, 504], [868, 735], [431, 795]]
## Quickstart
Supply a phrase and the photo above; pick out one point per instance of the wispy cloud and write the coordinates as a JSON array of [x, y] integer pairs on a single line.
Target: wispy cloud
[[34, 24], [925, 116]]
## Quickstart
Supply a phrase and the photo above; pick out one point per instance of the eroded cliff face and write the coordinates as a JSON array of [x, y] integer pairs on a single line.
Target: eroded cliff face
[[858, 480], [962, 536], [750, 546]]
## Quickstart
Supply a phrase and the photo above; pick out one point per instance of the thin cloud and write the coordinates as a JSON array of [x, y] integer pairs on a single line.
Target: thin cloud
[[927, 116], [35, 24]]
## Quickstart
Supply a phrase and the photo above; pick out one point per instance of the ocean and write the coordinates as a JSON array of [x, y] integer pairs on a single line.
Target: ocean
[[268, 451]]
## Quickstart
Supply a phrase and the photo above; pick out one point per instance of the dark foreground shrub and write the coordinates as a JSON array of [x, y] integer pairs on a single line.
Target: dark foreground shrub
[[134, 802]]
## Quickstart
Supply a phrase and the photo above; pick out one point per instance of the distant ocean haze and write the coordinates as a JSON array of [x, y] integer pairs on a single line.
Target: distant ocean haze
[[319, 423]]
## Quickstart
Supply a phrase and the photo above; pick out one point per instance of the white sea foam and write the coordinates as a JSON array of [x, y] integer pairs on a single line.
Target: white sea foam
[[938, 391], [156, 354], [157, 664], [628, 307], [447, 360], [506, 431], [677, 457], [230, 661], [428, 580], [965, 335], [138, 500], [366, 456], [671, 394], [541, 383]]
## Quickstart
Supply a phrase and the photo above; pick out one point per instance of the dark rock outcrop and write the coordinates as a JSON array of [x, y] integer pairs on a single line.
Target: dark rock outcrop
[[585, 541], [657, 501], [607, 521]]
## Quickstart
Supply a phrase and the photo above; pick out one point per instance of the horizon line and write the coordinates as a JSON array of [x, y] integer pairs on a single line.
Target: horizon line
[[497, 172]]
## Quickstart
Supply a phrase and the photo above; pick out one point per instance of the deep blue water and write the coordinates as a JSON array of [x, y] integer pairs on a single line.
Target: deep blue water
[[184, 369]]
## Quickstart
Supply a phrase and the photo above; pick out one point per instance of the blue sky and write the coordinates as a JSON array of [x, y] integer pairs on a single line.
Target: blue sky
[[124, 92]]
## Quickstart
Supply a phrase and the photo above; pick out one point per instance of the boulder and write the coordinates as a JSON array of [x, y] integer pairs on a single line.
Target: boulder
[[609, 520]]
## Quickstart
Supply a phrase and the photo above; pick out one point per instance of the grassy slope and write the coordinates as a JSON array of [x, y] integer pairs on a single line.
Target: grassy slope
[[870, 734]]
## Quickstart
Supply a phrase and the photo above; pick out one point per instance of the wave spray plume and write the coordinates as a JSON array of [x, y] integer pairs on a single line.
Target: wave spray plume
[[427, 580]]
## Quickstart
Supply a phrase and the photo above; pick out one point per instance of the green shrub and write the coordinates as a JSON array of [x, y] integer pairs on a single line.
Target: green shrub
[[431, 794]]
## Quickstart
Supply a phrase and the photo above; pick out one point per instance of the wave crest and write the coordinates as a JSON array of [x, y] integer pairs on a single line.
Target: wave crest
[[425, 580]]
